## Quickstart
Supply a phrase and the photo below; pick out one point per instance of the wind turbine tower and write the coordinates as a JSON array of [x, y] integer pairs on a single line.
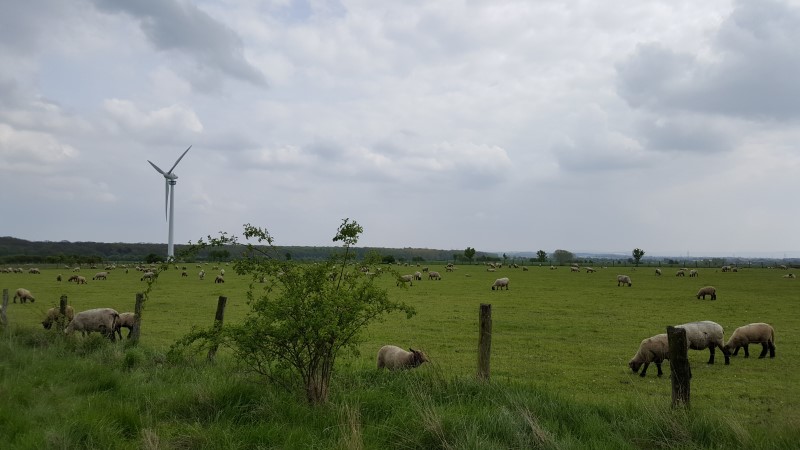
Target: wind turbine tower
[[169, 201]]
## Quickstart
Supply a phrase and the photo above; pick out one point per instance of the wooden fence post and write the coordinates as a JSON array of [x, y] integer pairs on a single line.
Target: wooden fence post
[[62, 309], [137, 318], [681, 373], [218, 319], [3, 318], [484, 341]]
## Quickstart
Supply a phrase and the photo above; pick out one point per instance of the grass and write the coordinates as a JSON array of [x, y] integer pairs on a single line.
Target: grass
[[560, 346]]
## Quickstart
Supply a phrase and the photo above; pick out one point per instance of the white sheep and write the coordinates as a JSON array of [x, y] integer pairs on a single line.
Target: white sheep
[[24, 295], [789, 275], [590, 269], [524, 268], [658, 272], [623, 280], [393, 357], [706, 335], [708, 290], [693, 273], [150, 276], [434, 275], [655, 350], [53, 314], [403, 279], [100, 276], [219, 279], [418, 276], [680, 273], [574, 269], [125, 320], [102, 320], [202, 274], [754, 333], [500, 283]]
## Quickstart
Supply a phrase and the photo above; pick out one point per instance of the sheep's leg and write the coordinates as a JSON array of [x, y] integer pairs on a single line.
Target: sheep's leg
[[644, 369], [746, 350], [727, 355], [658, 366], [711, 351], [736, 351], [764, 350], [771, 349]]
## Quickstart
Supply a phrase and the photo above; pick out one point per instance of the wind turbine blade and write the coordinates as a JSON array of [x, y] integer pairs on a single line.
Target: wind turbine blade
[[156, 167], [179, 160], [166, 200]]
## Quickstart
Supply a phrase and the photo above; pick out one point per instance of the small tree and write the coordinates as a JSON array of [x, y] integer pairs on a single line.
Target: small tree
[[469, 253], [637, 256], [305, 315], [541, 256], [563, 256]]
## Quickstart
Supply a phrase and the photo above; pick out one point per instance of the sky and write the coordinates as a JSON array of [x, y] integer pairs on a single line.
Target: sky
[[670, 126]]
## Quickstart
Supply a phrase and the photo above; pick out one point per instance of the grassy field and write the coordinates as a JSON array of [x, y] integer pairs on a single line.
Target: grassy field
[[558, 338]]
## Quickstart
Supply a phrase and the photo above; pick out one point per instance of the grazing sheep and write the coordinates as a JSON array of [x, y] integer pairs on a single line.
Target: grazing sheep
[[524, 268], [219, 279], [553, 267], [693, 273], [680, 273], [150, 276], [491, 269], [81, 280], [53, 314], [102, 320], [125, 320], [590, 270], [393, 357], [72, 278], [184, 274], [706, 335], [658, 272], [34, 270], [24, 295], [403, 279], [623, 280], [708, 290], [418, 276], [433, 275], [726, 268], [654, 349], [100, 276], [500, 283], [754, 333], [202, 274], [425, 269], [58, 278], [789, 275], [574, 269]]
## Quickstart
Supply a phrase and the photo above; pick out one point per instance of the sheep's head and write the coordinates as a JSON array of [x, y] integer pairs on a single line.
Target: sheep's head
[[419, 357], [634, 365]]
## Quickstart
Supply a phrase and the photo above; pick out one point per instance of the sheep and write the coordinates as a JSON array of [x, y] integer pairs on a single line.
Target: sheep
[[574, 269], [590, 270], [524, 268], [34, 270], [202, 274], [491, 269], [403, 279], [100, 276], [654, 349], [500, 283], [789, 275], [708, 290], [184, 274], [418, 276], [706, 335], [53, 314], [658, 272], [433, 275], [81, 280], [125, 320], [24, 295], [680, 273], [102, 320], [754, 333], [150, 276], [393, 357], [693, 273], [623, 280], [72, 278], [219, 279]]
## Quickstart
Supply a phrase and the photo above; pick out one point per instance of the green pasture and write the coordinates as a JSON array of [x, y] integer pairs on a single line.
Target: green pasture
[[569, 334]]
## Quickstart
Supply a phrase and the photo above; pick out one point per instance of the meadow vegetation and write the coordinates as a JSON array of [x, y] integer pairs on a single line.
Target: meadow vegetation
[[559, 377]]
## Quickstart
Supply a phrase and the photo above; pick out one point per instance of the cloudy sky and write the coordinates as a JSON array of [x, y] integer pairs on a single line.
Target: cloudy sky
[[672, 126]]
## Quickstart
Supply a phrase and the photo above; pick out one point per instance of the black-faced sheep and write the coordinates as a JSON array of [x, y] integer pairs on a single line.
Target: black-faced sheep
[[24, 295], [655, 350], [403, 279], [622, 280], [658, 272], [102, 320], [100, 276], [53, 314], [125, 320], [706, 335], [499, 284], [433, 275], [393, 357], [754, 333], [708, 290], [219, 279], [789, 275]]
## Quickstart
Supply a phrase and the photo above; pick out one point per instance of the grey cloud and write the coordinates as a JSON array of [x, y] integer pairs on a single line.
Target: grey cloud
[[174, 25], [751, 72], [686, 133]]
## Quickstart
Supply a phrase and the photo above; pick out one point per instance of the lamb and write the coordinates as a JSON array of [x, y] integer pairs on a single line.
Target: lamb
[[102, 320], [125, 320], [219, 279], [24, 295], [654, 349], [706, 335], [403, 279], [500, 283], [53, 314], [100, 276], [658, 272], [623, 280], [754, 333], [708, 290], [393, 357], [433, 275]]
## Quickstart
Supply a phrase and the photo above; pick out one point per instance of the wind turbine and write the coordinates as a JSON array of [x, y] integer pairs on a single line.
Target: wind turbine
[[169, 200]]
